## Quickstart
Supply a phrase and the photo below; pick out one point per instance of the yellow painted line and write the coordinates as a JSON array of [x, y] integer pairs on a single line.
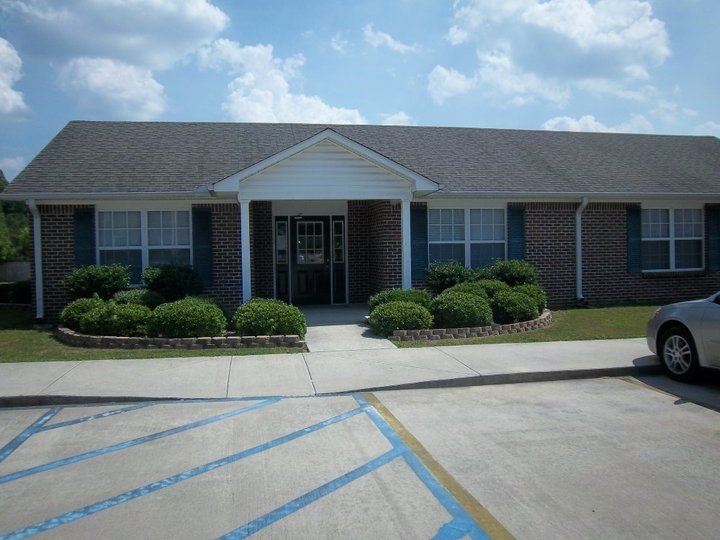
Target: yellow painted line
[[470, 504]]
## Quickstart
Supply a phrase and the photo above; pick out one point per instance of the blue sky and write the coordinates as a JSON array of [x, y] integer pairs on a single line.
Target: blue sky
[[640, 66]]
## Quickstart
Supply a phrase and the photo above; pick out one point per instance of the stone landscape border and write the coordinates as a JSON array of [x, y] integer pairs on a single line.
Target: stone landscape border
[[435, 334]]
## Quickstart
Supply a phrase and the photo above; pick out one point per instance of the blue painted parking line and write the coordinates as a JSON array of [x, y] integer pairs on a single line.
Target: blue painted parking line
[[91, 417], [461, 524], [134, 442]]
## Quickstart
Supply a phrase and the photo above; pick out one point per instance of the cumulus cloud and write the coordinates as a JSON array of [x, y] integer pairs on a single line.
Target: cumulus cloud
[[260, 91], [127, 91], [381, 39], [636, 124], [11, 100], [552, 43], [399, 118], [339, 44], [444, 83], [708, 128]]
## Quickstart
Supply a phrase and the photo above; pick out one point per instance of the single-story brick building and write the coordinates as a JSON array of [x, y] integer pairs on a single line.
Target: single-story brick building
[[330, 214]]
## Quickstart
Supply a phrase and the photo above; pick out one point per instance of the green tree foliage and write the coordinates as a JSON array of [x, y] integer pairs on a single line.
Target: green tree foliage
[[14, 229]]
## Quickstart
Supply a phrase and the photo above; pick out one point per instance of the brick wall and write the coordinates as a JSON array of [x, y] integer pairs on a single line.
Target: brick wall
[[358, 250], [57, 234], [261, 248], [385, 235]]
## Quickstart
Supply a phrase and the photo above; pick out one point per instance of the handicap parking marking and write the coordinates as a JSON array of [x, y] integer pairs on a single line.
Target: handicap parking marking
[[465, 520]]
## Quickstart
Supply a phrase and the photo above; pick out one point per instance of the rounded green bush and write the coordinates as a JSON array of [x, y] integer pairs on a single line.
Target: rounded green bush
[[399, 315], [535, 292], [103, 280], [189, 317], [453, 309], [513, 272], [492, 287], [142, 297], [173, 282], [416, 296], [470, 287], [268, 317], [513, 306], [113, 319], [73, 312], [443, 275]]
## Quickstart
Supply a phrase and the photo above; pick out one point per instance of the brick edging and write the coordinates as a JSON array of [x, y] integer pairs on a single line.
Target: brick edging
[[70, 337], [434, 334]]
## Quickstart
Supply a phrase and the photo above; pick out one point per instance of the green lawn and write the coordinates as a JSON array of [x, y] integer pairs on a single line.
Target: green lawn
[[20, 342], [569, 325]]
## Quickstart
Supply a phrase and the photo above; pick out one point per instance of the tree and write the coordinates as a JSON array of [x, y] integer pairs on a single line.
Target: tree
[[14, 230]]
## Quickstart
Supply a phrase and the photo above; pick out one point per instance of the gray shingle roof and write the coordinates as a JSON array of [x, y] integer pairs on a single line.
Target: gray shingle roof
[[146, 157]]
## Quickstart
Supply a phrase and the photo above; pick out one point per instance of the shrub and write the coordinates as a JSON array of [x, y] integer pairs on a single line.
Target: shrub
[[416, 296], [73, 312], [173, 282], [111, 319], [189, 317], [103, 280], [513, 272], [267, 317], [535, 292], [513, 306], [453, 309], [399, 315], [470, 287], [491, 286], [142, 297], [443, 275]]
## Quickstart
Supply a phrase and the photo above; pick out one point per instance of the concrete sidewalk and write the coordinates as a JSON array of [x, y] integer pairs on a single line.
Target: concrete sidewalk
[[323, 372]]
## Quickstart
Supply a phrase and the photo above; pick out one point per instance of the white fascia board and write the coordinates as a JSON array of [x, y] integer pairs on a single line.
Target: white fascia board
[[417, 181], [560, 196], [75, 198]]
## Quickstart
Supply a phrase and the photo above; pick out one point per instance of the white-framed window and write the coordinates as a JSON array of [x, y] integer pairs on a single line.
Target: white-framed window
[[472, 236], [142, 238], [672, 239]]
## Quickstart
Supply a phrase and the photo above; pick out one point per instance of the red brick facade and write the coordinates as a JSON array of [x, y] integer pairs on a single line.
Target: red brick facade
[[261, 249], [385, 236], [358, 250]]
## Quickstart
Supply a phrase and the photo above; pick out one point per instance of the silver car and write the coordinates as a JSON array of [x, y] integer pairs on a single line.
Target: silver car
[[686, 337]]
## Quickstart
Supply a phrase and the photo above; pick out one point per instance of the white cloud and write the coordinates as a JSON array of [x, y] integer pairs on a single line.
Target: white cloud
[[11, 100], [474, 17], [708, 128], [399, 118], [444, 83], [670, 112], [10, 166], [382, 39], [636, 124], [149, 33], [128, 91], [339, 44], [261, 90]]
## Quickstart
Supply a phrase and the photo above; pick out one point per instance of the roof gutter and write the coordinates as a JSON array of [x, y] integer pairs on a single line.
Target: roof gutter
[[579, 250], [152, 195], [559, 196], [37, 259]]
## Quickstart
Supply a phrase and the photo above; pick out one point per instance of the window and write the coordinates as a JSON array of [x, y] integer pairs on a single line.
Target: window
[[672, 239], [141, 238], [472, 236]]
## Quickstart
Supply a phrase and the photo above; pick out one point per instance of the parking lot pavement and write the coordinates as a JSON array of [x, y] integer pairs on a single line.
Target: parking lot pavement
[[598, 458], [314, 467]]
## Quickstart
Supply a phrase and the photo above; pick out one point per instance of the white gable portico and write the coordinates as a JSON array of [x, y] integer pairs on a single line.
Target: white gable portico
[[325, 167]]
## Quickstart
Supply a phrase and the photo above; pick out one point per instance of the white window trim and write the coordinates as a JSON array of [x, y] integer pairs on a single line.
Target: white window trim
[[143, 208], [671, 206]]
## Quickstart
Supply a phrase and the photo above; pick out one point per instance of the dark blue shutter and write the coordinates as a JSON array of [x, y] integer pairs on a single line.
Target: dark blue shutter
[[712, 213], [634, 239], [418, 240], [202, 243], [84, 219], [516, 232]]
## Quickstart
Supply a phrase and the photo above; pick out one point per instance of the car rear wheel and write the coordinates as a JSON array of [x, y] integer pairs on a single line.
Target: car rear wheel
[[678, 354]]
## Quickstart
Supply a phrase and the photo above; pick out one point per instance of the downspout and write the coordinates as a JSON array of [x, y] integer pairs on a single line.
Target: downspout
[[37, 257], [579, 251]]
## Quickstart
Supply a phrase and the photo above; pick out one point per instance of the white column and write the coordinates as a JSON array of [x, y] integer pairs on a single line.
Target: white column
[[245, 248], [406, 245], [37, 257]]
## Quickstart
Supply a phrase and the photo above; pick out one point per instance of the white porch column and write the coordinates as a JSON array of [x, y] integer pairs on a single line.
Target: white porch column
[[406, 245], [245, 248]]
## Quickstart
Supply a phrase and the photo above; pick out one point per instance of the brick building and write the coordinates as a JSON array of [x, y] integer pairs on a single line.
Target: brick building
[[332, 214]]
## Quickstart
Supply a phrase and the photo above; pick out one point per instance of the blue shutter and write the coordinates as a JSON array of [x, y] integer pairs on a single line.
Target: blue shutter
[[634, 239], [418, 240], [84, 220], [516, 232], [712, 213], [202, 243]]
